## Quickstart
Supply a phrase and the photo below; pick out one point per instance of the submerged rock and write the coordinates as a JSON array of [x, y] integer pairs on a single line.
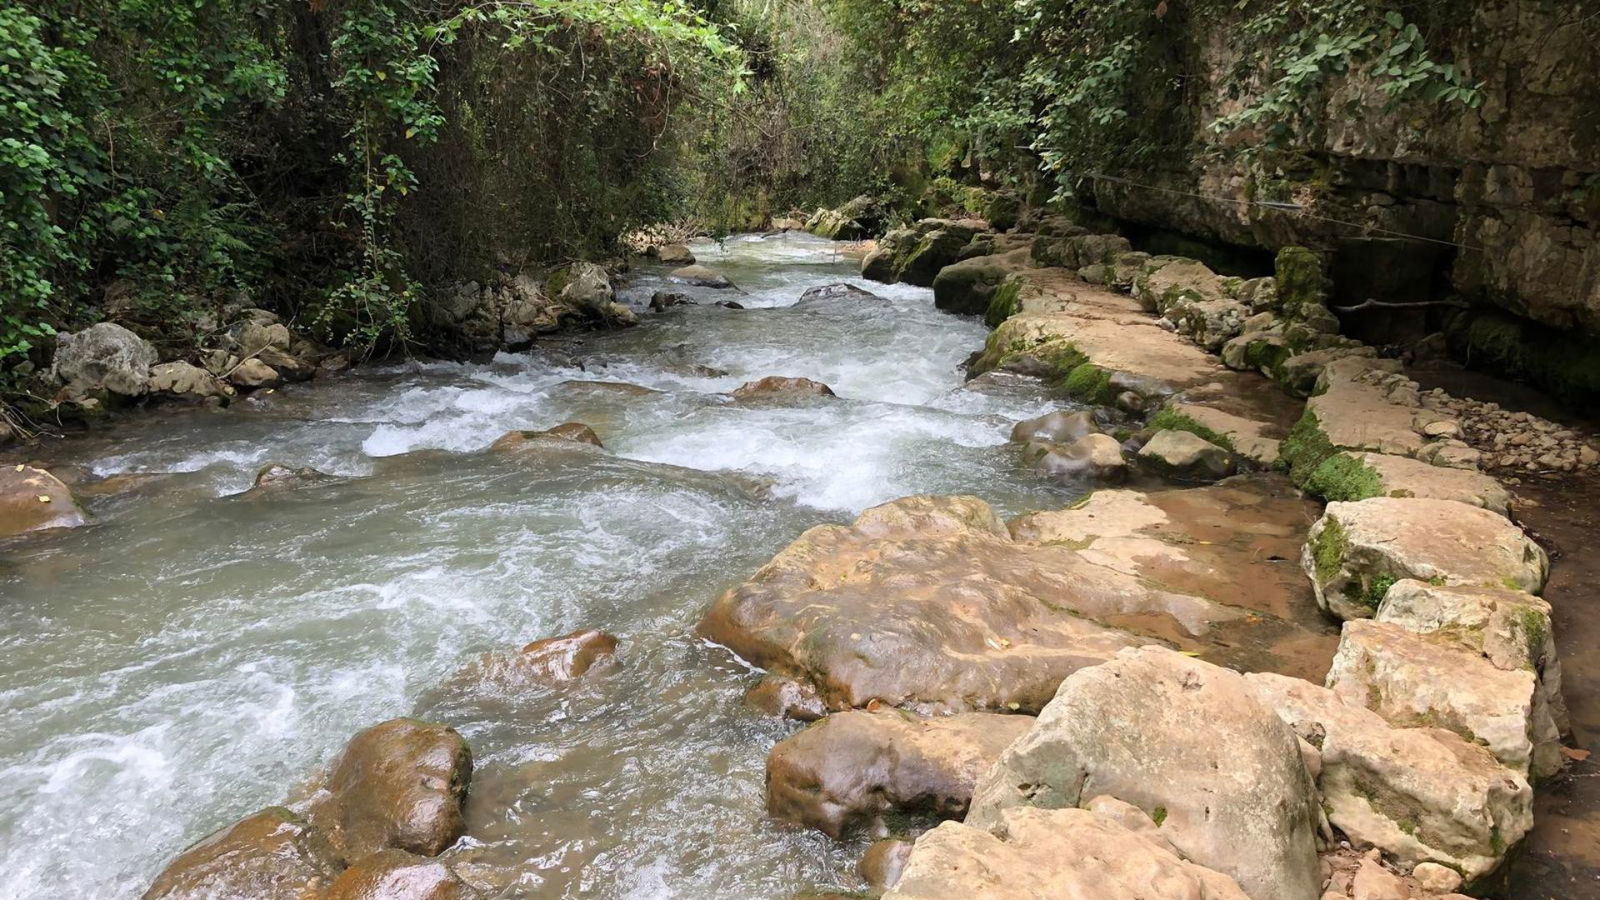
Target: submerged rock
[[397, 875], [277, 477], [542, 663], [1183, 456], [883, 863], [782, 386], [272, 855], [786, 698], [839, 291], [852, 767], [399, 785], [662, 300], [106, 356], [700, 276], [1034, 854], [32, 500], [1185, 741], [577, 432]]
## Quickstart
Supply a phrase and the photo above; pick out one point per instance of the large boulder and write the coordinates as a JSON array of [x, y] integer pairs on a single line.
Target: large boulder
[[675, 255], [1062, 427], [272, 855], [253, 373], [883, 263], [1185, 456], [779, 386], [1185, 741], [32, 500], [1356, 551], [968, 286], [397, 875], [1093, 457], [1357, 476], [1416, 680], [851, 768], [1417, 794], [106, 356], [398, 785], [587, 287], [1055, 854], [700, 276]]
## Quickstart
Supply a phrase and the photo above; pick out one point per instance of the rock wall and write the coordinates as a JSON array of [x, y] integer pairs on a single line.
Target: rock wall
[[1515, 180]]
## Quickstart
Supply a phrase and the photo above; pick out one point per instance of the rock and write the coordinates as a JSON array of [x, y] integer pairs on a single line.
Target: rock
[[1249, 438], [333, 364], [883, 263], [1436, 879], [255, 336], [968, 287], [186, 382], [104, 355], [1415, 680], [577, 432], [932, 252], [851, 768], [1399, 476], [662, 300], [1358, 550], [1184, 456], [700, 276], [587, 289], [1374, 882], [542, 663], [1418, 794], [786, 698], [277, 477], [253, 373], [398, 785], [272, 855], [729, 304], [858, 219], [1044, 854], [675, 255], [1186, 741], [780, 386], [881, 865], [1095, 457], [1062, 427], [397, 875], [32, 500], [839, 291], [1172, 280], [291, 367]]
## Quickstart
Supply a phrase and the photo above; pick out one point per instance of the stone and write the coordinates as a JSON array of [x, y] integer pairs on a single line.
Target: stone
[[185, 381], [778, 386], [968, 287], [1415, 680], [1184, 456], [1094, 457], [253, 373], [1374, 882], [849, 769], [276, 477], [105, 355], [272, 855], [700, 276], [786, 698], [1055, 854], [931, 253], [662, 300], [1417, 794], [675, 255], [543, 663], [398, 785], [291, 367], [1062, 427], [1249, 438], [255, 337], [1436, 879], [883, 863], [576, 432], [397, 875], [1356, 551], [841, 291], [32, 499], [1399, 476], [587, 289], [1170, 281], [1187, 742]]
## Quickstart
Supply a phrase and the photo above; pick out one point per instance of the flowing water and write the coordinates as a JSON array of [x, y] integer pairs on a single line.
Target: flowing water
[[197, 654]]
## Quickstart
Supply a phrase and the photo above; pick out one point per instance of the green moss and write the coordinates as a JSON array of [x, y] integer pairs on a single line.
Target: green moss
[[1159, 815], [1301, 280], [1535, 634], [1004, 303], [1328, 550], [1305, 449], [1168, 419], [1343, 477], [1564, 363], [1089, 383], [1377, 589]]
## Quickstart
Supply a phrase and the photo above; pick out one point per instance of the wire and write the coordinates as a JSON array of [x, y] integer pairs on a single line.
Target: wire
[[1281, 207]]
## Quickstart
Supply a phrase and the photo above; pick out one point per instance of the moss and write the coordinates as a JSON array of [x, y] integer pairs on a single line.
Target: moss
[[1377, 589], [1301, 280], [1004, 303], [1343, 477], [1328, 549], [1089, 383], [1305, 449], [1159, 815], [1168, 419], [1267, 357], [1563, 363], [1535, 634]]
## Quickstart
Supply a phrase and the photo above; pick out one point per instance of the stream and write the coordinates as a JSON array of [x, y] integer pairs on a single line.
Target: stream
[[197, 654]]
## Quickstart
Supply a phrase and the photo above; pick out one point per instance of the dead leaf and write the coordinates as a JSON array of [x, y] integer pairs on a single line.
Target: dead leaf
[[1575, 754], [44, 498]]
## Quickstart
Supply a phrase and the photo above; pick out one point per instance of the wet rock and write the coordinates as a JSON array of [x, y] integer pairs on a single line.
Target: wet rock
[[786, 698], [106, 356], [32, 500], [397, 875], [860, 218], [883, 862], [775, 386], [968, 287], [1358, 550], [729, 304], [661, 300], [1032, 854], [278, 477], [398, 785], [333, 364], [1183, 456], [1418, 794], [577, 432], [540, 664], [1061, 427], [1415, 680], [1186, 741], [1094, 457], [272, 855], [253, 373], [841, 291], [850, 768], [288, 365], [1249, 438], [587, 287], [184, 381], [700, 276], [675, 255]]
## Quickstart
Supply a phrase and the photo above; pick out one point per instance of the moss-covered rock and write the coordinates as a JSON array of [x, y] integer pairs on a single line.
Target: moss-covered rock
[[969, 287], [1563, 363], [1302, 283]]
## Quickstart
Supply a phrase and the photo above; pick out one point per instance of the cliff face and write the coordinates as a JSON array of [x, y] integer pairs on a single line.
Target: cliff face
[[1515, 181]]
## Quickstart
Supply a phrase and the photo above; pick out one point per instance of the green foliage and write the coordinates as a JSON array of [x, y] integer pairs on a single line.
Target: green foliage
[[1343, 477], [1328, 549], [1306, 448], [1168, 419]]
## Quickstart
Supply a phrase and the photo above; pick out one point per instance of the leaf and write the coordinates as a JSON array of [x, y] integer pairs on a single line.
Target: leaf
[[1395, 20], [1575, 754]]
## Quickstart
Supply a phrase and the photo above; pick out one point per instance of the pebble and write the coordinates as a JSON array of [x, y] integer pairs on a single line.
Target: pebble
[[1433, 877]]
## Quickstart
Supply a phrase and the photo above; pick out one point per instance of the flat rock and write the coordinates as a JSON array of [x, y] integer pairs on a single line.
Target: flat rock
[[186, 381], [835, 292], [1185, 741], [1183, 456], [1054, 854], [1358, 550], [1417, 794], [778, 386], [700, 276], [32, 500], [851, 767], [1250, 438], [397, 875], [1399, 476], [272, 855], [1416, 680]]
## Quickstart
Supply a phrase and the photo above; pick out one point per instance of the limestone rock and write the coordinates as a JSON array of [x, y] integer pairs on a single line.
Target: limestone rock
[[852, 767], [883, 863], [398, 785], [253, 373], [1184, 456], [1358, 550], [1094, 457], [587, 289], [397, 875], [1053, 854], [1186, 741], [104, 355], [1062, 427], [968, 286], [1374, 882], [675, 255], [1437, 879], [187, 382], [1249, 438], [255, 336], [577, 432], [32, 500], [276, 477], [775, 386], [1398, 476], [700, 276], [1418, 794], [272, 855], [834, 292]]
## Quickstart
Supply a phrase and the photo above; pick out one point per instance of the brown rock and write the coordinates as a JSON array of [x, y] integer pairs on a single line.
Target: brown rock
[[397, 875], [399, 785], [545, 662], [675, 255], [277, 477], [785, 697], [32, 500], [700, 276], [1061, 427], [272, 855], [852, 767], [883, 862], [780, 386], [253, 373], [567, 431]]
